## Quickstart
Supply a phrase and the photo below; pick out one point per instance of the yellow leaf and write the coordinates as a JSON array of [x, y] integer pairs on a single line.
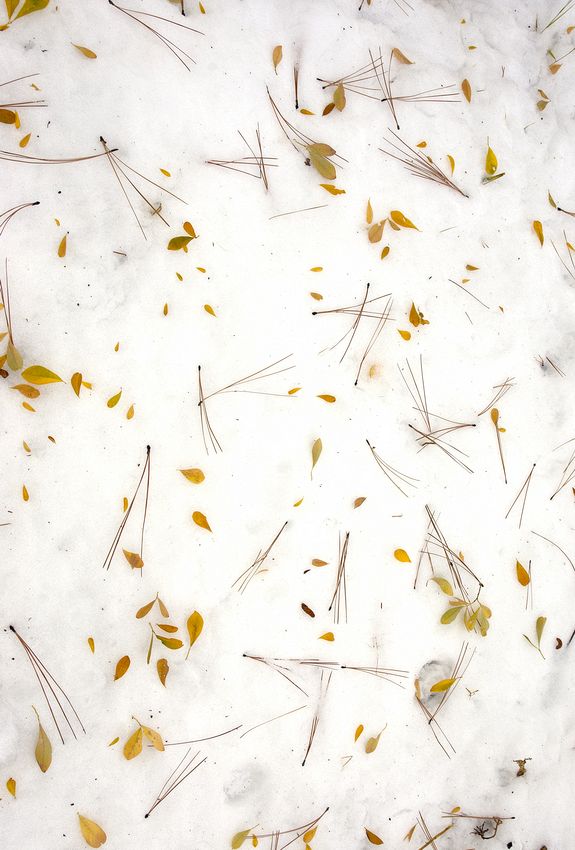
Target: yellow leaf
[[85, 51], [369, 213], [163, 669], [25, 494], [166, 174], [308, 837], [538, 228], [201, 8], [321, 148], [317, 296], [550, 199], [450, 615], [176, 243], [371, 744], [328, 108], [196, 476], [466, 89], [113, 400], [7, 116], [541, 104], [43, 751], [189, 228], [404, 334], [333, 190], [154, 737], [372, 837], [298, 503], [316, 451], [409, 835], [62, 247], [13, 357], [539, 626], [27, 406], [490, 162], [451, 162], [277, 56], [339, 97], [167, 627], [24, 140], [441, 686], [321, 164], [317, 562], [327, 636], [11, 786], [195, 624], [421, 145], [91, 644], [40, 375], [294, 390], [31, 6], [133, 559], [329, 398], [444, 585], [375, 232], [133, 746], [399, 218], [170, 643], [165, 309], [94, 835], [522, 575], [11, 6], [385, 252], [130, 412], [414, 316], [122, 667], [401, 555], [125, 504], [76, 382], [26, 390], [306, 112], [494, 415], [401, 57], [239, 838], [554, 67], [200, 519], [359, 501], [358, 732]]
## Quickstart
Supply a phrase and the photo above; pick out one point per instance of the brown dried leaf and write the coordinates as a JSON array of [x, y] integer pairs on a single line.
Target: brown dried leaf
[[133, 559], [277, 56], [163, 669], [122, 667], [200, 519]]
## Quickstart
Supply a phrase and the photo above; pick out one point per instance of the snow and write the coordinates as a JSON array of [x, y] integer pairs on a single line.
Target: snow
[[69, 312]]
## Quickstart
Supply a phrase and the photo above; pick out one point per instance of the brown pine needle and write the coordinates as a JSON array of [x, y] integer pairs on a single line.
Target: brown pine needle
[[391, 473], [257, 565], [525, 487], [419, 164], [176, 778], [49, 687], [118, 536]]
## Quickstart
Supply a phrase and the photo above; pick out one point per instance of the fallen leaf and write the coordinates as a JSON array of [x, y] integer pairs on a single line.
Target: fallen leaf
[[451, 162], [170, 643], [195, 624], [466, 89], [31, 6], [369, 213], [24, 142], [333, 190], [163, 669], [13, 357], [450, 615], [401, 57], [133, 746], [316, 451], [404, 334], [339, 97], [154, 737], [130, 412], [85, 51], [443, 584], [122, 667], [329, 636], [538, 228], [26, 390], [133, 559], [25, 494], [113, 401], [40, 375], [522, 575], [196, 476], [358, 732], [94, 835], [91, 645], [179, 242], [329, 398], [201, 520], [277, 56], [359, 501], [398, 217], [401, 555], [554, 67], [76, 381], [371, 744], [145, 609], [11, 786], [239, 838], [321, 164], [441, 686], [7, 116], [62, 246], [490, 162], [309, 836], [43, 751], [209, 309], [375, 232], [372, 837]]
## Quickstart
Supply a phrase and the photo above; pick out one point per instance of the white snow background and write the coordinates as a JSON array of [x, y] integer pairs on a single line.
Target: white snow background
[[69, 313]]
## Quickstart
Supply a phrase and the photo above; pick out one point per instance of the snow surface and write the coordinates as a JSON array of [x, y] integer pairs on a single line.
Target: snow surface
[[68, 314]]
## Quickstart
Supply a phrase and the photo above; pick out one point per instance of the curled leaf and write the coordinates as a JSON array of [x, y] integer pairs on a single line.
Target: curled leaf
[[133, 559]]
